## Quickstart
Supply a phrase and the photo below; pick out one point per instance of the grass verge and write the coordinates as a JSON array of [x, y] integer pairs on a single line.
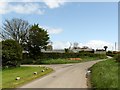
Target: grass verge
[[105, 75], [0, 78], [25, 73]]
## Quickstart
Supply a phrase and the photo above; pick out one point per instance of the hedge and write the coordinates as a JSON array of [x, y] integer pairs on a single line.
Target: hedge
[[68, 55], [46, 56], [110, 53], [63, 55], [117, 57]]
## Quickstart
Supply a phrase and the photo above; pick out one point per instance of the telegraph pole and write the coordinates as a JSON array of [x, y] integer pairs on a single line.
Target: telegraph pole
[[115, 46]]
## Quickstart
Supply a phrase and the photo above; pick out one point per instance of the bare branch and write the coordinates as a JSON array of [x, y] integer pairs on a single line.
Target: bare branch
[[16, 29]]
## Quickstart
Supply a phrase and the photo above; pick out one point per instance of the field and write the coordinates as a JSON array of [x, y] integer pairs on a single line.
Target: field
[[105, 74], [25, 73]]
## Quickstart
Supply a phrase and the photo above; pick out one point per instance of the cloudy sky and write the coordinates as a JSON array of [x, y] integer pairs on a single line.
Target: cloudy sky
[[92, 24]]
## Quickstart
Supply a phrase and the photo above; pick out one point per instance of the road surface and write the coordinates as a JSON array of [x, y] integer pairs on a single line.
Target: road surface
[[65, 76]]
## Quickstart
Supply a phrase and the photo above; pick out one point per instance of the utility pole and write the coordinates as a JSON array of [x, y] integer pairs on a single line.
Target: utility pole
[[115, 46]]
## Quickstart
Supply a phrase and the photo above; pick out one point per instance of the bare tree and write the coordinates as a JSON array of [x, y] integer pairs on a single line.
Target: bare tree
[[75, 45], [16, 29]]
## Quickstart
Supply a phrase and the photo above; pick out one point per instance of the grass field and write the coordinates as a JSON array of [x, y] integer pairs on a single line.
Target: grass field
[[105, 74], [25, 73]]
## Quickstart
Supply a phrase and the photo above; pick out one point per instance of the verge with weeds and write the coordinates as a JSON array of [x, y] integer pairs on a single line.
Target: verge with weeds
[[105, 74]]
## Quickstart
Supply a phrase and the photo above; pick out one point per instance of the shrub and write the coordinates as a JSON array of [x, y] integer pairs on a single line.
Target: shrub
[[110, 53], [28, 61], [11, 53], [66, 50], [117, 57]]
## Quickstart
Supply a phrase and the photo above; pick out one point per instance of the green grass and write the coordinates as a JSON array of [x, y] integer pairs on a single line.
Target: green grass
[[26, 74], [66, 61], [0, 78], [105, 74], [59, 61]]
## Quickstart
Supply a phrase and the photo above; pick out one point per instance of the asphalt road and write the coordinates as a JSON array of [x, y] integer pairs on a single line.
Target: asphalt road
[[65, 76]]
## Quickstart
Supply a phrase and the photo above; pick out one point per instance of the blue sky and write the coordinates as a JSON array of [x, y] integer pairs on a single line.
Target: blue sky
[[90, 24]]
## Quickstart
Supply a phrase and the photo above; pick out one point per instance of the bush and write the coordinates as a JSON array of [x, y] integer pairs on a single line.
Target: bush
[[11, 53], [110, 53], [28, 61], [117, 57]]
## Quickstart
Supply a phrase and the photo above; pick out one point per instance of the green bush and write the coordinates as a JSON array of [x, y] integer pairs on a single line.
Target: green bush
[[28, 61], [11, 53], [117, 57], [110, 53]]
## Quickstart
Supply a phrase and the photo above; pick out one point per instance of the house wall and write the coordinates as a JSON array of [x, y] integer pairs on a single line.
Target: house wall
[[100, 52]]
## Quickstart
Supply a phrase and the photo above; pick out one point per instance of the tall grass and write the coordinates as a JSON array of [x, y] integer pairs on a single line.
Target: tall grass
[[105, 74], [0, 78]]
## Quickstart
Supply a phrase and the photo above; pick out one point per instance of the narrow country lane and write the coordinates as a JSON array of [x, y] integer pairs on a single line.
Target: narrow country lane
[[65, 76]]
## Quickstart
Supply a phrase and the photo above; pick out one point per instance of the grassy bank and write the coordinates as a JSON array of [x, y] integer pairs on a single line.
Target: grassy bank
[[0, 78], [105, 74], [25, 73]]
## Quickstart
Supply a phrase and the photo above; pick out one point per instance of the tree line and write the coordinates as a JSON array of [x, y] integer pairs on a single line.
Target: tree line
[[18, 36]]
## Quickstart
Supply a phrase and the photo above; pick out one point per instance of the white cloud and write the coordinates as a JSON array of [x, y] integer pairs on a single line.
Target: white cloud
[[60, 45], [60, 0], [22, 8], [99, 44], [54, 3], [95, 44], [3, 7], [52, 30], [20, 0], [28, 8]]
